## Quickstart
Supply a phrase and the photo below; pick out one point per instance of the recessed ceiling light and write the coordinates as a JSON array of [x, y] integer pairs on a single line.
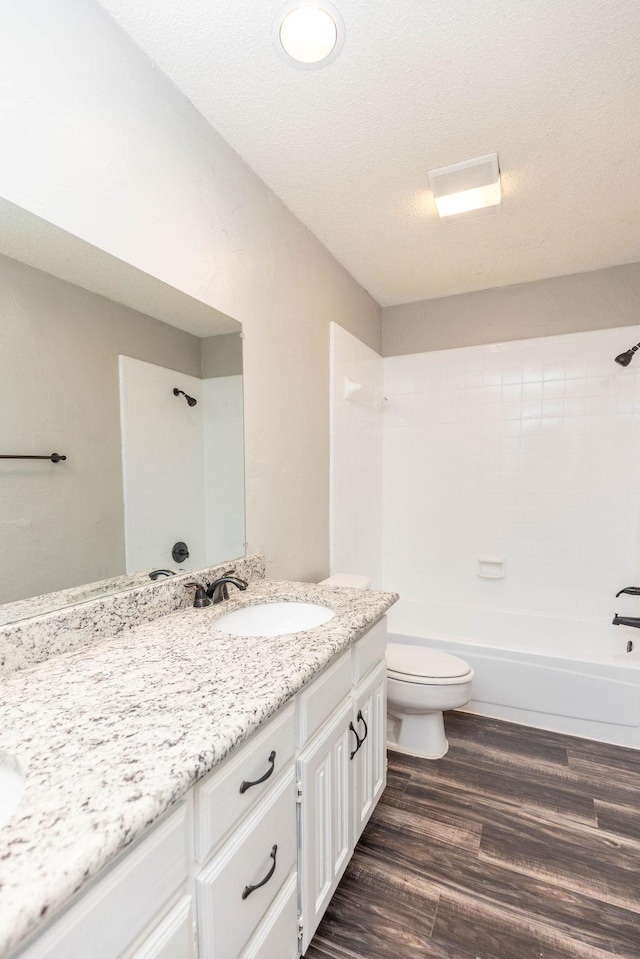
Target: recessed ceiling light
[[470, 188], [308, 35]]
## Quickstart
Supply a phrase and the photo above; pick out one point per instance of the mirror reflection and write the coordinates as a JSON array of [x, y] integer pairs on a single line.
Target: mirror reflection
[[149, 418]]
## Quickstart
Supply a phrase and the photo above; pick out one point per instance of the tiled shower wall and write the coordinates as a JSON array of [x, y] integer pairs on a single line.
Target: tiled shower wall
[[163, 466], [223, 467], [528, 452], [183, 466], [356, 457]]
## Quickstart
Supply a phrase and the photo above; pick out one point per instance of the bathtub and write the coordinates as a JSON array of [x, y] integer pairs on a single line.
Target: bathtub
[[571, 676]]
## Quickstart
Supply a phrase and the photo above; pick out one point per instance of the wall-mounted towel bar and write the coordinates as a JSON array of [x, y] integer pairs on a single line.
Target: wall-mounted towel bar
[[54, 457]]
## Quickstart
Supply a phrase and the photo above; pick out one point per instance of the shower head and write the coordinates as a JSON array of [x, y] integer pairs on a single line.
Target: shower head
[[625, 358], [190, 399]]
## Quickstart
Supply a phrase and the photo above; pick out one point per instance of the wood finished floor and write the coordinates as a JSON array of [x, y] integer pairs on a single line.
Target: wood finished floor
[[519, 844]]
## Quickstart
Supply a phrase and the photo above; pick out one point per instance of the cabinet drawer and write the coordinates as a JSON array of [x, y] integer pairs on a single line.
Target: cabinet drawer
[[277, 934], [110, 916], [173, 938], [226, 920], [219, 802], [318, 701], [369, 650]]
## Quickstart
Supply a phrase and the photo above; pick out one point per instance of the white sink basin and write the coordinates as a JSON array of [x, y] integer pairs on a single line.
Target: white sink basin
[[11, 787], [274, 619]]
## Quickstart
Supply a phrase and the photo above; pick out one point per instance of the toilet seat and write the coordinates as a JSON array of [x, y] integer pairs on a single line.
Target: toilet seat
[[424, 666]]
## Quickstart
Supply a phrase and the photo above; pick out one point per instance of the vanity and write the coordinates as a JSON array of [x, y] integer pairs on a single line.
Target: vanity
[[193, 793]]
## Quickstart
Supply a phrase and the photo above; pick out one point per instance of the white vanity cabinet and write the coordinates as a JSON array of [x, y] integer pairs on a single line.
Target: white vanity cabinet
[[370, 762], [173, 938], [246, 864], [141, 909], [246, 839], [341, 771], [325, 789]]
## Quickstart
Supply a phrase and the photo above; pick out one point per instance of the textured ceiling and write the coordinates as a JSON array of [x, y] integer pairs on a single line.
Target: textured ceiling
[[553, 86]]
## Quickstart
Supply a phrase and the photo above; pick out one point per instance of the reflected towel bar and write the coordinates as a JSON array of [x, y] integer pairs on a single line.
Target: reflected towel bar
[[54, 457]]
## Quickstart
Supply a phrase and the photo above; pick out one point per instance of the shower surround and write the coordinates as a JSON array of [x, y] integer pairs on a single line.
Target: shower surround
[[526, 453]]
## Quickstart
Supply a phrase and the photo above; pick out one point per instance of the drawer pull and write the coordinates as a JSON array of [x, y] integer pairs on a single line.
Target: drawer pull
[[359, 741], [249, 889], [247, 785], [362, 720]]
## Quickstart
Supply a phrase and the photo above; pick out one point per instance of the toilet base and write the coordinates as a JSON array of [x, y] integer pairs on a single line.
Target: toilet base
[[419, 735]]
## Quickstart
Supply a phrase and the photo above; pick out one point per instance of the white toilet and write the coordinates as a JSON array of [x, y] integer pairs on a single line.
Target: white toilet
[[422, 682]]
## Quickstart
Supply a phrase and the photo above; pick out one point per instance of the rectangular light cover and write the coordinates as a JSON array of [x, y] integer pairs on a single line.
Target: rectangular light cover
[[471, 187]]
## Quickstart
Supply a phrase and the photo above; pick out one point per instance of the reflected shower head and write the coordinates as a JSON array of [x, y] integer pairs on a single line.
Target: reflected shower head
[[190, 399], [625, 358]]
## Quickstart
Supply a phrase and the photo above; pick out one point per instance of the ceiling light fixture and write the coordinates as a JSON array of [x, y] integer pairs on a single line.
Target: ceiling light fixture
[[308, 35], [468, 189]]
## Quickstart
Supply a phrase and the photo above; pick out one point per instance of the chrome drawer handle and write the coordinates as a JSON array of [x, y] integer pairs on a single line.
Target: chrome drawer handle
[[249, 889], [244, 785]]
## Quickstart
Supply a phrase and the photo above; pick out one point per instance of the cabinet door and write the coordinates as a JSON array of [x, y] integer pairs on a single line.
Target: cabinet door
[[370, 762], [173, 938], [325, 835]]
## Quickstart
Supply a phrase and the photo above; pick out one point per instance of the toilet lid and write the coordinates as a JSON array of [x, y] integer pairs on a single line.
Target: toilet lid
[[420, 661]]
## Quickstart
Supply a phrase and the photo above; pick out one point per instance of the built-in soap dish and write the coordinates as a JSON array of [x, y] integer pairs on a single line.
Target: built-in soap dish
[[491, 567]]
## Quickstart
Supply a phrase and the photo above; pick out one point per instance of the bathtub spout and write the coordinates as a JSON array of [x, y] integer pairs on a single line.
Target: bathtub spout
[[626, 621]]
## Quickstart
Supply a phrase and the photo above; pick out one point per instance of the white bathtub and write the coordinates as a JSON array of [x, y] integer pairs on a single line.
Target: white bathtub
[[571, 676]]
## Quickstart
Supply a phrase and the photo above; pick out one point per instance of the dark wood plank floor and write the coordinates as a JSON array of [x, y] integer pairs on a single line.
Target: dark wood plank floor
[[519, 844]]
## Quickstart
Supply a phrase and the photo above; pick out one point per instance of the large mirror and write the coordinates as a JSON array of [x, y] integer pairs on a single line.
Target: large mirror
[[139, 387]]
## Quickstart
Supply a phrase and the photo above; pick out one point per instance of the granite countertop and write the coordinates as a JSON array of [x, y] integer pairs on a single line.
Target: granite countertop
[[113, 735]]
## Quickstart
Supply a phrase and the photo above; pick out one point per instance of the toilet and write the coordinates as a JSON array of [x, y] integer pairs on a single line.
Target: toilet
[[421, 683]]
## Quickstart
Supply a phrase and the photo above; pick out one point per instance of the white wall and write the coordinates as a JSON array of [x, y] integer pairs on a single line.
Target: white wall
[[528, 450], [100, 143], [356, 458], [223, 467], [162, 466]]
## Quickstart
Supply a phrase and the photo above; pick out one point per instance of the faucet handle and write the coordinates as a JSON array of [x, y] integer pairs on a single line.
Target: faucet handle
[[631, 590], [200, 599]]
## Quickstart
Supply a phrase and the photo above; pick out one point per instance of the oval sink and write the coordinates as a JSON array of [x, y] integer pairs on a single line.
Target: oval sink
[[274, 619], [11, 787]]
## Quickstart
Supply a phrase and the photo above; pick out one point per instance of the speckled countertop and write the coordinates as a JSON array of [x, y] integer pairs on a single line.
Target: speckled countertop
[[113, 735]]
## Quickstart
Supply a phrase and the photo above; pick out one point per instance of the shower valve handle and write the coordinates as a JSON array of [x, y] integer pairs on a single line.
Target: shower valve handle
[[631, 590]]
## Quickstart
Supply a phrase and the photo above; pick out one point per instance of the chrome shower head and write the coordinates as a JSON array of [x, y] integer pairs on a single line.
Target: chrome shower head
[[190, 399]]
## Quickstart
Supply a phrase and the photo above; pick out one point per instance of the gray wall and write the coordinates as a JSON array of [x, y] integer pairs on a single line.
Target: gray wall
[[222, 355], [565, 304], [63, 525], [144, 177]]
